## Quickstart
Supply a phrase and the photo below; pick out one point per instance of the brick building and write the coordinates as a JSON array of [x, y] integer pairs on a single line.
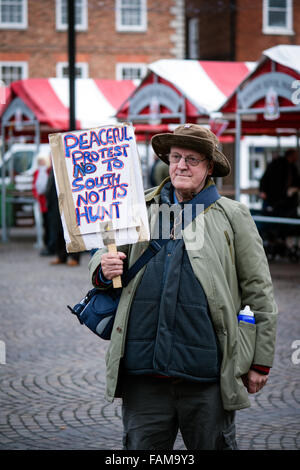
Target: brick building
[[118, 38], [239, 29], [115, 38]]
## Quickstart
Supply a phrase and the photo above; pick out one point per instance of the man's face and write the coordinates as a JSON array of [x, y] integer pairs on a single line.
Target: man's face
[[185, 177]]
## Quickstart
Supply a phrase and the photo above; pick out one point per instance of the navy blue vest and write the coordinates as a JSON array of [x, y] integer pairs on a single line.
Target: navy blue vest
[[169, 330]]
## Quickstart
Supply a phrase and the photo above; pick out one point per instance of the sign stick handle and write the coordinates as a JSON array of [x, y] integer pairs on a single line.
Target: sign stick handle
[[117, 281]]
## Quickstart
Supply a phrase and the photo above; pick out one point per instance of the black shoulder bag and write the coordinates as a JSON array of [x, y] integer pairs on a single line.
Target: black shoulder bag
[[98, 308]]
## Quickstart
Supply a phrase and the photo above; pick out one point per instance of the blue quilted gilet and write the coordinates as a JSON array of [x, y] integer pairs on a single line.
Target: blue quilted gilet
[[170, 331]]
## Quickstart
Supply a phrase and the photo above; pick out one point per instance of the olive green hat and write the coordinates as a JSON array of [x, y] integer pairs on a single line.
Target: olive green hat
[[192, 136]]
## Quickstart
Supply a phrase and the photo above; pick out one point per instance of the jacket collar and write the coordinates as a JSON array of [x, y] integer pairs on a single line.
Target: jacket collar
[[154, 193]]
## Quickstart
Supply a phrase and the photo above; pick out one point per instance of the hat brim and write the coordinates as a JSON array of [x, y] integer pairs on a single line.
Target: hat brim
[[161, 144]]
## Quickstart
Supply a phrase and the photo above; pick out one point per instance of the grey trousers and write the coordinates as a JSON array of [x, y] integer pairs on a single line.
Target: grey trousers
[[154, 409]]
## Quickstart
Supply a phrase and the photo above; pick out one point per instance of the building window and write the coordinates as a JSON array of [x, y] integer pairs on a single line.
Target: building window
[[278, 17], [130, 71], [13, 14], [12, 71], [193, 38], [81, 19], [131, 15], [81, 70]]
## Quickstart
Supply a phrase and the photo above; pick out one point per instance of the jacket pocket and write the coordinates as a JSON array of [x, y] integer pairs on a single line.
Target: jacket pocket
[[246, 347]]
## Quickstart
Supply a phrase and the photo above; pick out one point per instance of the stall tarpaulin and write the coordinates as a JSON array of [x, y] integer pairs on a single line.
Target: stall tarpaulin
[[283, 62], [203, 85], [36, 107], [97, 100], [247, 109]]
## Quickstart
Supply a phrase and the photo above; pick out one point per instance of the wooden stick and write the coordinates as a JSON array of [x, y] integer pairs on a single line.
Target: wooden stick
[[108, 238], [117, 281]]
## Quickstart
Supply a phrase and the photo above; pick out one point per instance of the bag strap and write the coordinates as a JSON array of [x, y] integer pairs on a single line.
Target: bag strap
[[152, 250], [208, 197]]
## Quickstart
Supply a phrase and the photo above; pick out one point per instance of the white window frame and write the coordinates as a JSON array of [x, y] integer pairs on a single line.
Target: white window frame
[[60, 26], [22, 25], [123, 65], [131, 28], [23, 65], [84, 66], [284, 30]]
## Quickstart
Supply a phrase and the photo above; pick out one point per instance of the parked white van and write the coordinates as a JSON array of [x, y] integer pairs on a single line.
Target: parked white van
[[21, 164], [21, 161]]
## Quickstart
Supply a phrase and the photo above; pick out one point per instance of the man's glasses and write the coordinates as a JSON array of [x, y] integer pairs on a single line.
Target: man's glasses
[[192, 161]]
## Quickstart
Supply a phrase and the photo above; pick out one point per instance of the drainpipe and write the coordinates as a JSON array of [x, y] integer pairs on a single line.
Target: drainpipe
[[232, 21]]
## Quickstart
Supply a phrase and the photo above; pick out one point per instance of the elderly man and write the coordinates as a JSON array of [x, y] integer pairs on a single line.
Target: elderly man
[[178, 356]]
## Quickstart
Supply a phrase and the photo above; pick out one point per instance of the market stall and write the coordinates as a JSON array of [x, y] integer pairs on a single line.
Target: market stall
[[266, 102], [34, 108], [176, 91], [48, 99]]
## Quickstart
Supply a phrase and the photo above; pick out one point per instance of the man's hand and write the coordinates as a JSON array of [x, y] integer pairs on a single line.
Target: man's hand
[[254, 381], [112, 264]]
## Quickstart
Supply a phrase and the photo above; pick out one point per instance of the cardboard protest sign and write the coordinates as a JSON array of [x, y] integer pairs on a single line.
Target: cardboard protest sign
[[98, 179]]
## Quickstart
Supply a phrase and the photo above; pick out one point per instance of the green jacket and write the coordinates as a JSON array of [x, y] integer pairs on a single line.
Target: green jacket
[[230, 263]]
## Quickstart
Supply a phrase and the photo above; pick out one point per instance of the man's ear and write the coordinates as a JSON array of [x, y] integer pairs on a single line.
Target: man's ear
[[210, 168]]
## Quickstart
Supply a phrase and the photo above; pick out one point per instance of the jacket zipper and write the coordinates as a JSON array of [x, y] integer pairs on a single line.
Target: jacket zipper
[[229, 245]]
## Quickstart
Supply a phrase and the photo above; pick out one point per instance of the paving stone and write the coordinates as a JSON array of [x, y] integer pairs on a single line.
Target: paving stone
[[52, 385]]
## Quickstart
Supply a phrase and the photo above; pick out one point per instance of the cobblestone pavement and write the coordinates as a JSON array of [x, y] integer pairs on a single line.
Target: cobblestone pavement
[[52, 384]]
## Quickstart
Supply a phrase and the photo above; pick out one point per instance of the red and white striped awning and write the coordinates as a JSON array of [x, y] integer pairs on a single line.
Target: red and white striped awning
[[205, 85], [282, 59], [96, 100]]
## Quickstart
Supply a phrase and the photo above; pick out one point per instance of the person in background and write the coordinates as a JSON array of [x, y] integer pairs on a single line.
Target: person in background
[[280, 185], [280, 190], [178, 356], [159, 172], [56, 232], [40, 180]]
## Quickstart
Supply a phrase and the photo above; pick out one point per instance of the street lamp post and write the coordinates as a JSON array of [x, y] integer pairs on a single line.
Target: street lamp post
[[71, 57]]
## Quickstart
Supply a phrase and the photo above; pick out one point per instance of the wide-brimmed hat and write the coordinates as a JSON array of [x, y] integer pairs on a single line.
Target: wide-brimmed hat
[[192, 136]]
